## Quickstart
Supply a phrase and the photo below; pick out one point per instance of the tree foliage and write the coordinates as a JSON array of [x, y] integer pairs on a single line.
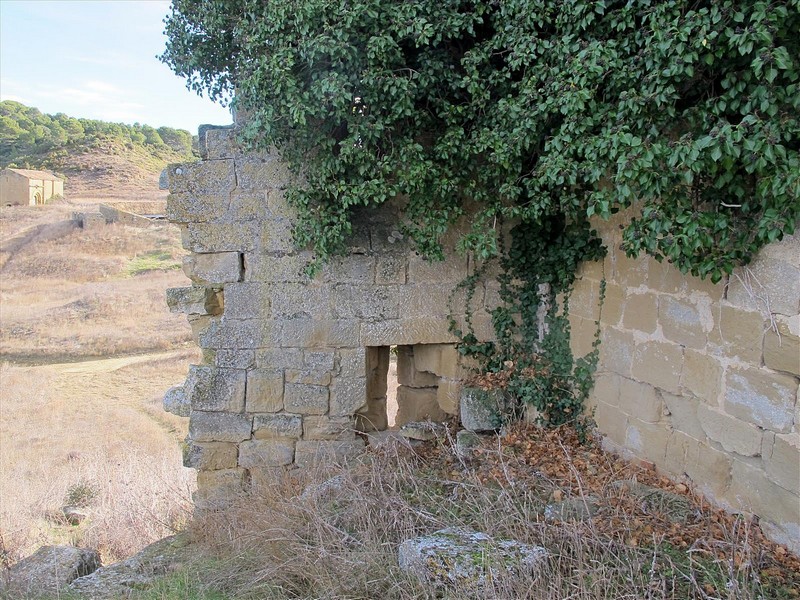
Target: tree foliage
[[528, 109], [27, 135]]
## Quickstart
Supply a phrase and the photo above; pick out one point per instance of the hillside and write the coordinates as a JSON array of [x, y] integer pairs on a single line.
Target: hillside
[[97, 159]]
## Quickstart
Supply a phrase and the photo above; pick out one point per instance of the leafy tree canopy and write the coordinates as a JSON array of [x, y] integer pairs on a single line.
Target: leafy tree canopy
[[544, 111]]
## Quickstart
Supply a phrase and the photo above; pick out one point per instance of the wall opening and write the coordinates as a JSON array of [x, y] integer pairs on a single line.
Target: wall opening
[[402, 387]]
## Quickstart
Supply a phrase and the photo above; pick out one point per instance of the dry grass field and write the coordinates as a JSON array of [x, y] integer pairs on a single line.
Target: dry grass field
[[87, 349]]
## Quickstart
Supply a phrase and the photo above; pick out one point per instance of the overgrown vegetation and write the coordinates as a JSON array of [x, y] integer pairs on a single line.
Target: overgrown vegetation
[[31, 139], [538, 111]]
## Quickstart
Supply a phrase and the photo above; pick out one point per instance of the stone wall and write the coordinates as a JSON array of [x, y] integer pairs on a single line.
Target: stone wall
[[294, 369], [702, 379]]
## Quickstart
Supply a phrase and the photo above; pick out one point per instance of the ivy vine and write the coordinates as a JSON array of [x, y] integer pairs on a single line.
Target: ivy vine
[[541, 112]]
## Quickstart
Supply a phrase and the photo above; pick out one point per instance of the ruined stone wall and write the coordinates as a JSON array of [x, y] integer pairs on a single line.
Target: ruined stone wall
[[702, 379], [293, 368]]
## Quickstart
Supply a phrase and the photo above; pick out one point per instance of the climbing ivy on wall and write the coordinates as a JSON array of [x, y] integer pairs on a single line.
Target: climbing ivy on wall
[[544, 112]]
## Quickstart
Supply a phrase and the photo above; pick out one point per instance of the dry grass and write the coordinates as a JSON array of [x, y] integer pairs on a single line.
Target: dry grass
[[277, 543], [90, 292], [97, 427]]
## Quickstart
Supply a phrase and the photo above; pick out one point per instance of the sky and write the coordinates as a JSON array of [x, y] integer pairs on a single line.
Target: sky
[[96, 59]]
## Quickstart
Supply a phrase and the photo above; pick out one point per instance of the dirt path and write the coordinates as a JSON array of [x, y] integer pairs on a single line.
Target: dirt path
[[108, 365]]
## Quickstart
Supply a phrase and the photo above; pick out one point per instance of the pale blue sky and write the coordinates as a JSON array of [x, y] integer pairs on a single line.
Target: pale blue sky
[[96, 59]]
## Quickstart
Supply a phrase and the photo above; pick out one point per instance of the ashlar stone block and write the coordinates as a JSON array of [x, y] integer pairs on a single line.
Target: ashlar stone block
[[741, 333], [659, 364], [782, 347], [761, 397], [306, 399], [348, 396], [701, 375], [219, 427], [257, 454], [277, 426], [214, 389], [639, 400], [685, 322], [734, 435], [328, 428], [417, 404], [211, 456], [783, 463], [264, 391]]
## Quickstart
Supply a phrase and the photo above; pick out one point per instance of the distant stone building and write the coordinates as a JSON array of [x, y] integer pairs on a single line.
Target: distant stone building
[[28, 187]]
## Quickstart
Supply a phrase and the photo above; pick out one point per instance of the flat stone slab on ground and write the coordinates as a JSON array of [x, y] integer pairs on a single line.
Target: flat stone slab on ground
[[49, 570], [466, 558]]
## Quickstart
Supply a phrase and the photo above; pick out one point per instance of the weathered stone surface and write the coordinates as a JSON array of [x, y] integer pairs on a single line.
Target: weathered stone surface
[[216, 488], [264, 391], [194, 300], [296, 301], [368, 303], [214, 268], [311, 452], [373, 417], [306, 399], [762, 398], [256, 454], [775, 275], [229, 358], [782, 347], [708, 468], [647, 440], [466, 558], [783, 462], [219, 427], [406, 332], [352, 362], [701, 375], [220, 237], [682, 414], [49, 571], [741, 333], [328, 428], [641, 312], [612, 422], [268, 268], [348, 396], [320, 360], [313, 333], [685, 322], [482, 410], [261, 173], [734, 435], [277, 426], [616, 351], [308, 376], [417, 404], [214, 389], [448, 396], [185, 207], [176, 402], [217, 142], [211, 456], [246, 300], [129, 577], [391, 269], [207, 178], [273, 359], [659, 364], [640, 400]]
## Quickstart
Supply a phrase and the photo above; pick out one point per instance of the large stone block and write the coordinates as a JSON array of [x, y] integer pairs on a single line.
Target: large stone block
[[176, 402], [320, 360], [417, 404], [246, 300], [313, 333], [391, 269], [732, 434], [279, 358], [709, 469], [275, 235], [258, 454], [612, 308], [686, 322], [219, 427], [306, 399], [782, 347], [217, 142], [740, 333], [751, 490], [220, 237], [448, 395], [582, 335], [365, 302], [616, 351], [278, 426], [357, 269], [195, 300], [647, 440], [296, 301], [373, 417], [659, 364], [435, 300], [408, 375], [213, 268], [760, 397], [218, 486], [611, 422], [639, 400], [480, 410], [241, 333], [261, 173], [352, 362], [308, 376], [312, 452], [268, 268], [184, 207], [701, 375], [605, 389], [348, 396], [214, 389], [453, 269], [214, 177], [783, 461], [328, 428], [247, 206], [585, 299], [641, 312], [231, 358], [773, 275], [406, 332], [211, 456], [682, 411]]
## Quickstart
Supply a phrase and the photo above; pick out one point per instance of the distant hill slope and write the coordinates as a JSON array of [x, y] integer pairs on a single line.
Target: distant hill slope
[[98, 159]]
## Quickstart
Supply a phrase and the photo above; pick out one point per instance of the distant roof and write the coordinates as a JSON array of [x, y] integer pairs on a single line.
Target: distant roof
[[33, 174]]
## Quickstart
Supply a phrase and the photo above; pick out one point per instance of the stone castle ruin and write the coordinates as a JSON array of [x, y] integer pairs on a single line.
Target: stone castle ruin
[[699, 379]]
